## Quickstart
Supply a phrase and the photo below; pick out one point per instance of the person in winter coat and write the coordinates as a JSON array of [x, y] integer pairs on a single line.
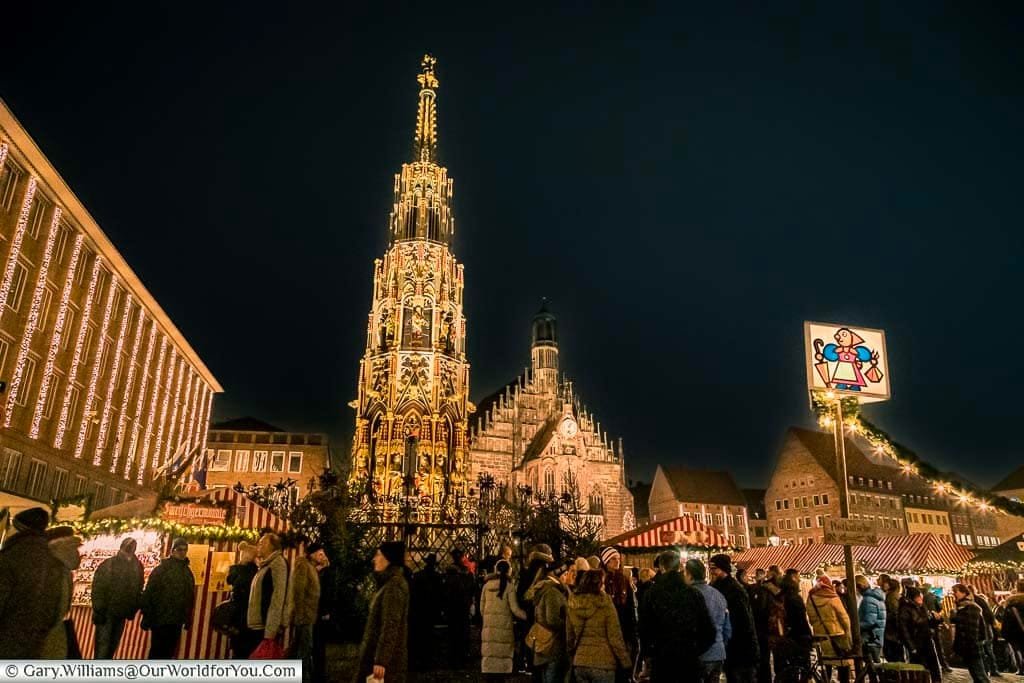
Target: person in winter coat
[[675, 625], [548, 597], [383, 651], [168, 601], [1013, 620], [116, 593], [459, 591], [425, 612], [742, 655], [987, 650], [31, 581], [934, 607], [828, 618], [618, 585], [969, 634], [269, 590], [792, 648], [891, 646], [537, 562], [760, 606], [240, 578], [915, 632], [498, 609], [712, 659], [302, 604], [872, 617], [60, 641], [593, 636]]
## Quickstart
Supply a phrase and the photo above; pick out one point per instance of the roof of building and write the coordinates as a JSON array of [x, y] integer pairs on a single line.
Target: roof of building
[[670, 533], [1011, 482], [755, 503], [702, 486], [540, 440], [245, 424]]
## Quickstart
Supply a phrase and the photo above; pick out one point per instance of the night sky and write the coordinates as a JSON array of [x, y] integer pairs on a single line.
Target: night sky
[[685, 187]]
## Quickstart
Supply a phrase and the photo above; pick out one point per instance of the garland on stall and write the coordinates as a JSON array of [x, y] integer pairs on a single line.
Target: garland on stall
[[911, 464], [190, 532]]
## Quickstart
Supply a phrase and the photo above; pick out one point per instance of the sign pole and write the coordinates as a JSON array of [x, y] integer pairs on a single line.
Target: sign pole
[[844, 512]]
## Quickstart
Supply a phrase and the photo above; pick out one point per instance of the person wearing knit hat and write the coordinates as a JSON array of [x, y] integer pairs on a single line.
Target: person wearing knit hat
[[116, 591], [828, 617], [384, 650], [168, 601], [594, 562], [32, 519], [540, 551], [33, 588], [608, 554], [722, 562], [581, 564]]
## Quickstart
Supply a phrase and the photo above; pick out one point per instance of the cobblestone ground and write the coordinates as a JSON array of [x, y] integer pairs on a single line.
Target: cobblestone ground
[[341, 664]]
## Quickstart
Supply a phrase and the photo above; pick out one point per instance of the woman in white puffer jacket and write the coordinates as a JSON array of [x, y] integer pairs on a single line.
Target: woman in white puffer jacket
[[498, 606]]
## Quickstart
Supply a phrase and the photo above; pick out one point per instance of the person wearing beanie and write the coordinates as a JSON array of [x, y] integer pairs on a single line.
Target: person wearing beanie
[[116, 595], [60, 641], [594, 562], [31, 588], [240, 576], [383, 652], [828, 618], [168, 601], [742, 653], [302, 604], [618, 584]]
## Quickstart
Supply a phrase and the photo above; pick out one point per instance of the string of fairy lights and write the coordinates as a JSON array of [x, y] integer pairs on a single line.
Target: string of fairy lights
[[76, 358], [97, 363], [115, 369], [140, 401], [16, 240], [32, 322], [882, 444], [129, 384], [57, 338], [152, 410]]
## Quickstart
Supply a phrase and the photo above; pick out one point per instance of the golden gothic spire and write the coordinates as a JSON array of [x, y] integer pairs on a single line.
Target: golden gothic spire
[[426, 115]]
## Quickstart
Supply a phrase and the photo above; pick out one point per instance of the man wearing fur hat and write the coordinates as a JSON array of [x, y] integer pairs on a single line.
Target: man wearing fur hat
[[31, 581], [116, 593]]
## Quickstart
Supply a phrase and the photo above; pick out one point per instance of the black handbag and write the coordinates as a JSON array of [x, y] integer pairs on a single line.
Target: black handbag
[[224, 619]]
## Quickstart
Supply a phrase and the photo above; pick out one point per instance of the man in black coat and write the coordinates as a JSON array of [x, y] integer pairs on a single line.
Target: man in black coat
[[240, 578], [425, 596], [760, 605], [116, 593], [675, 626], [741, 652], [459, 589], [31, 581], [168, 601]]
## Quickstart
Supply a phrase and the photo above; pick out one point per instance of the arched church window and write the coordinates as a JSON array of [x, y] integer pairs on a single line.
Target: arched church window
[[596, 503], [549, 482]]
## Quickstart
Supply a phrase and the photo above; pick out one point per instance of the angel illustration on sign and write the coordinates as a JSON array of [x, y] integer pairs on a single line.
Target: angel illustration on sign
[[841, 365]]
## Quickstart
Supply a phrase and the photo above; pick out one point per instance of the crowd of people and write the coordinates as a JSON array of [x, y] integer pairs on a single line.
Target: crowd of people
[[267, 597], [587, 619], [592, 620]]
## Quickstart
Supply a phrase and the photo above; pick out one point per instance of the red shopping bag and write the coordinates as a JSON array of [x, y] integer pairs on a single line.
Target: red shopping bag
[[268, 649]]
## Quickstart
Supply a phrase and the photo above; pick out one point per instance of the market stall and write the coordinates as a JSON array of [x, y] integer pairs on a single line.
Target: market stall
[[213, 524], [930, 558], [999, 567], [642, 545]]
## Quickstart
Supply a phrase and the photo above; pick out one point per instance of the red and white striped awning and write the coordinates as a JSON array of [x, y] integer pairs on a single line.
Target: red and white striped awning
[[681, 531], [911, 554]]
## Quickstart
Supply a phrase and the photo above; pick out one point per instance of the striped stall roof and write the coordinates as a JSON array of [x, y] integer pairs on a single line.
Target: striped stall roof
[[200, 641], [914, 553], [685, 531]]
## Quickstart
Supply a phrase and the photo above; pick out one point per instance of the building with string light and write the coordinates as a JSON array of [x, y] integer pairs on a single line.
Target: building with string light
[[99, 386]]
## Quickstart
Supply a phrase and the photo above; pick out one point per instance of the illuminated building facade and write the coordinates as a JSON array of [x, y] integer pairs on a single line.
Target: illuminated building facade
[[535, 432], [100, 387], [412, 406], [251, 452]]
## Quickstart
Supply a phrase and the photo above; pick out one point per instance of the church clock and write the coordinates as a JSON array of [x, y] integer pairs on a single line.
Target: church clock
[[568, 428]]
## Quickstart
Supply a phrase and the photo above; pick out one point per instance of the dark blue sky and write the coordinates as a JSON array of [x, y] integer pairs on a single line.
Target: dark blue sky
[[686, 186]]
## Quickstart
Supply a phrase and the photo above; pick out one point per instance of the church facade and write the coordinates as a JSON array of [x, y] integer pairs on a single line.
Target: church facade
[[413, 440], [536, 432]]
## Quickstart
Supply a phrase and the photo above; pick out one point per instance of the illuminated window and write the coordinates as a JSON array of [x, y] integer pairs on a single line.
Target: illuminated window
[[241, 461], [10, 467], [60, 483], [295, 461], [36, 479], [259, 461], [549, 481], [277, 461], [9, 183], [17, 287], [221, 462], [26, 382], [36, 215]]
